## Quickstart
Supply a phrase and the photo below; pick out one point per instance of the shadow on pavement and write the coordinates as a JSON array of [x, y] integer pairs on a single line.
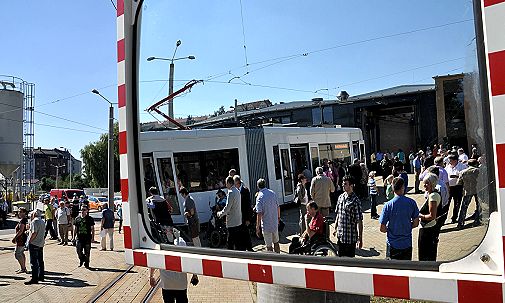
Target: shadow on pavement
[[367, 253], [6, 248], [65, 282], [12, 277]]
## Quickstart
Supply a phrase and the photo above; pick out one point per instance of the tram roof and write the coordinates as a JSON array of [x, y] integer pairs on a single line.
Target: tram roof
[[283, 106], [239, 131]]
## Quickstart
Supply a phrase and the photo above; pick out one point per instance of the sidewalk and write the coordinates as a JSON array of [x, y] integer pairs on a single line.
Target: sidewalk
[[66, 282]]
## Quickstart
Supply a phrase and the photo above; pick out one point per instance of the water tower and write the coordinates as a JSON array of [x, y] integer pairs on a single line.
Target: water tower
[[16, 122]]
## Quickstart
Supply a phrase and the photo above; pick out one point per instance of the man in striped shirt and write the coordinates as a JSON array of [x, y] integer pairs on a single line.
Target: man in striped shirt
[[372, 187], [349, 221]]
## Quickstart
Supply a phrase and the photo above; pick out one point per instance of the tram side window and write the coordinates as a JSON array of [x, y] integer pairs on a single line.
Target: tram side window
[[149, 177], [277, 163], [205, 170], [168, 184], [335, 152]]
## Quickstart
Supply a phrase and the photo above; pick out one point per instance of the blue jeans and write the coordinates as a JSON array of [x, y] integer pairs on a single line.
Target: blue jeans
[[464, 208], [37, 262]]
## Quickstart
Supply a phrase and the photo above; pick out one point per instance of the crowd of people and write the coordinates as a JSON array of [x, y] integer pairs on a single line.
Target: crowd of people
[[447, 176], [57, 218]]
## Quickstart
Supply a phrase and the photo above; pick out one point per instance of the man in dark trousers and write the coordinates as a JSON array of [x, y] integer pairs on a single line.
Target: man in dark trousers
[[357, 174], [245, 202], [232, 211], [36, 247], [84, 225]]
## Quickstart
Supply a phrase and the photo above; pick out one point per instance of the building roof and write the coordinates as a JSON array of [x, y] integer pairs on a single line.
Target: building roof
[[52, 152], [388, 92]]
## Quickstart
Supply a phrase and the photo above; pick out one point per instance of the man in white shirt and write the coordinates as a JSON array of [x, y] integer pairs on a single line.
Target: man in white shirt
[[233, 212], [462, 157], [454, 168], [174, 285], [63, 218]]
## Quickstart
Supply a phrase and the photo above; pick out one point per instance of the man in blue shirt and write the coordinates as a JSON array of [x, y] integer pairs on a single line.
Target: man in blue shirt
[[268, 216], [399, 216]]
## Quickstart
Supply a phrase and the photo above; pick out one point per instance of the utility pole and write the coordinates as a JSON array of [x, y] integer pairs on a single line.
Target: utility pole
[[110, 179], [235, 111], [171, 90], [57, 172], [69, 164]]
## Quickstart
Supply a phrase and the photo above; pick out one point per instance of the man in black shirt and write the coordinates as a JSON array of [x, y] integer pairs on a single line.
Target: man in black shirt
[[246, 208], [160, 211], [84, 225]]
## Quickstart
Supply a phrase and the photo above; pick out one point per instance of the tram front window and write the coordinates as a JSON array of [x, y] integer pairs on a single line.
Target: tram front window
[[400, 80]]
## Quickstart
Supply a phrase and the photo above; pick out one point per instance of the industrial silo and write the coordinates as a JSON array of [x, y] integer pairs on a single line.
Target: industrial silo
[[11, 127]]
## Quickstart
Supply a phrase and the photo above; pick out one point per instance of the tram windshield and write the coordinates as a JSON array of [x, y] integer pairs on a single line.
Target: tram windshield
[[362, 126]]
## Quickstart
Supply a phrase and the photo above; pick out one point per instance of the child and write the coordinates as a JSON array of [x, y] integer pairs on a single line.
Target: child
[[389, 188], [372, 187]]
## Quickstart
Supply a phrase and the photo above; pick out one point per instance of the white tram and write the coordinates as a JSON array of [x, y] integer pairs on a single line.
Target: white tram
[[200, 159]]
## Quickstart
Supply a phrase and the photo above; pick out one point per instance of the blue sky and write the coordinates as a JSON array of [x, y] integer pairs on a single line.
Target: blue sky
[[68, 48]]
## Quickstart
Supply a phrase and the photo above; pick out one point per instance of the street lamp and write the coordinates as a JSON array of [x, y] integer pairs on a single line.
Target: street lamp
[[70, 166], [171, 75], [110, 182], [57, 172]]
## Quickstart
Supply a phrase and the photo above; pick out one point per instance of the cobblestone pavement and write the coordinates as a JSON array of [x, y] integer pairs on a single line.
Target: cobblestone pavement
[[66, 282], [454, 244]]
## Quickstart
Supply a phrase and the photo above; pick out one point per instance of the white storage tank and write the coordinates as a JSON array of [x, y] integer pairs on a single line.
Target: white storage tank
[[11, 130]]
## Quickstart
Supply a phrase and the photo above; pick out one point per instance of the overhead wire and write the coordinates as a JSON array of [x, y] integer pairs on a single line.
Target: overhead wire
[[305, 54], [243, 33], [53, 126], [50, 115], [312, 91]]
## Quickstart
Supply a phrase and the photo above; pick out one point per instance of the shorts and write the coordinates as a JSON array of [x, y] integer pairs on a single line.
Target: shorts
[[271, 238], [194, 229], [19, 252]]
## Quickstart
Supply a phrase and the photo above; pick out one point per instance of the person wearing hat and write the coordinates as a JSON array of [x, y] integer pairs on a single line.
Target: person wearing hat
[[36, 242]]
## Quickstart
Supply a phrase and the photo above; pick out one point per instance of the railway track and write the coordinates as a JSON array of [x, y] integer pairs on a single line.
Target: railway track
[[106, 292]]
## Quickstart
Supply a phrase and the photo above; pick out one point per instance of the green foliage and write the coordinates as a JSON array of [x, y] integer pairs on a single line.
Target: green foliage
[[218, 112], [94, 157], [46, 184]]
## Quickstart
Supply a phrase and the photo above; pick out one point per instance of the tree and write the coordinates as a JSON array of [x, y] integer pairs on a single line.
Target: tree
[[46, 184], [218, 112], [95, 159]]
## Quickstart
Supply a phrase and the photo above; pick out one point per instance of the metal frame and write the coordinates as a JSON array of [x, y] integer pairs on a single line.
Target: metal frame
[[477, 277]]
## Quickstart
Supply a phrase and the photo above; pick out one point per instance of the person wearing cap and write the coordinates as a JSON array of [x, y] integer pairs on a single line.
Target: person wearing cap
[[36, 242], [468, 178], [63, 218]]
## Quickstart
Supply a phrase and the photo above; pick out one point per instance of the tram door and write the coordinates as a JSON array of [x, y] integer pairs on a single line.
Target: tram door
[[287, 175], [314, 157], [300, 160], [164, 168]]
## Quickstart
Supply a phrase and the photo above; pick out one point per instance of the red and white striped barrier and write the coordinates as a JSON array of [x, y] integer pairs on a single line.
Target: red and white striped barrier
[[466, 280]]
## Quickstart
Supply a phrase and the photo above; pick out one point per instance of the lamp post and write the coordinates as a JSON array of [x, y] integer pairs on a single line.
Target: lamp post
[[70, 164], [171, 75], [57, 172], [110, 182]]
